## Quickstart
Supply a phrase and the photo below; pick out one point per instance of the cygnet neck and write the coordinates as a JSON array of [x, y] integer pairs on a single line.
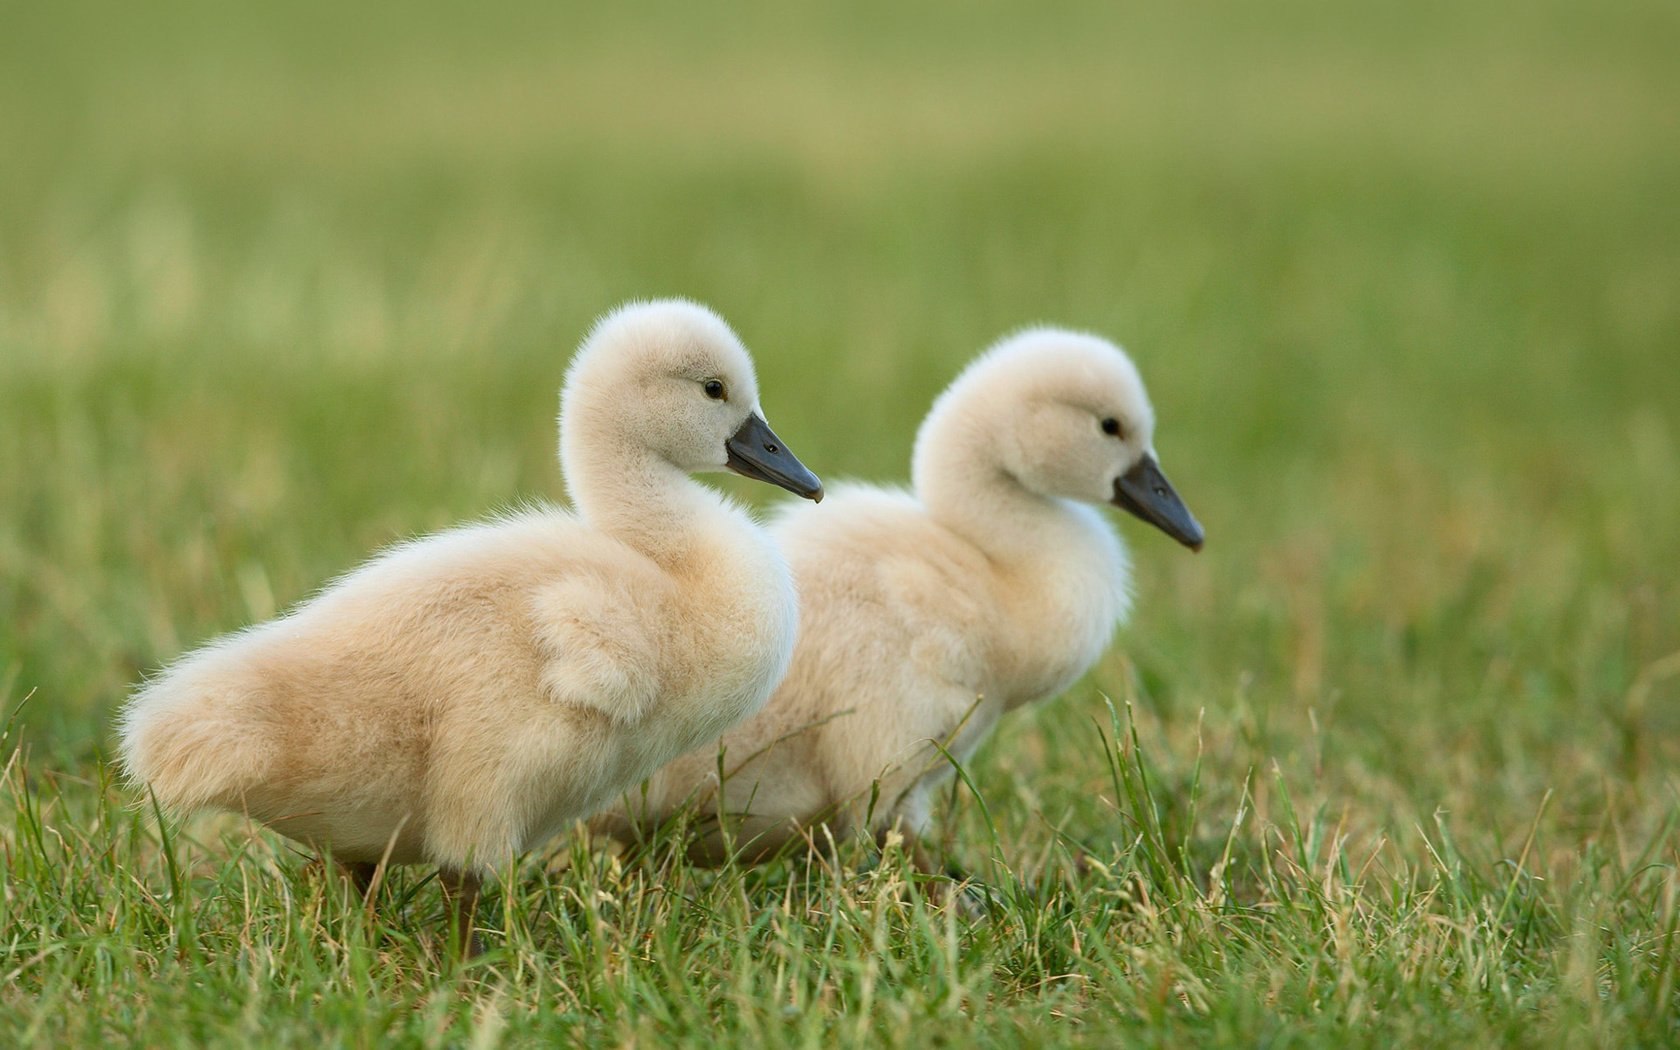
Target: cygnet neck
[[964, 486], [635, 495]]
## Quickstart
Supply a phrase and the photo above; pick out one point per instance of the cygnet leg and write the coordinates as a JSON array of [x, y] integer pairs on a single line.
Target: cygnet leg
[[922, 861], [360, 873], [946, 882], [460, 894]]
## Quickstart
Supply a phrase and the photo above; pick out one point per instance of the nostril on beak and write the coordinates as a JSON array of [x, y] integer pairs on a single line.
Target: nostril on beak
[[772, 449]]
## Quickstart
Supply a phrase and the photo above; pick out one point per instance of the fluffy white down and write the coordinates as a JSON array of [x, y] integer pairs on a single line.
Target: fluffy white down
[[464, 696], [928, 614]]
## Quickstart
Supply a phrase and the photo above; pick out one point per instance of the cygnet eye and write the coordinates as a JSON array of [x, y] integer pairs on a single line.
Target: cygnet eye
[[1111, 427], [714, 389]]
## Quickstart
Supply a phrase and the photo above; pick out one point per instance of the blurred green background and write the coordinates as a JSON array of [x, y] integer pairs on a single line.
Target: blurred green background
[[281, 284]]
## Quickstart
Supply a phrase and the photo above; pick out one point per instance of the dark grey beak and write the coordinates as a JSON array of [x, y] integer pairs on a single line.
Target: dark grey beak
[[756, 452], [1147, 493]]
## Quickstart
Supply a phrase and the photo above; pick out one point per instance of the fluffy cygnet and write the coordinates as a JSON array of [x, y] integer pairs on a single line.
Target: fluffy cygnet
[[926, 615], [462, 697]]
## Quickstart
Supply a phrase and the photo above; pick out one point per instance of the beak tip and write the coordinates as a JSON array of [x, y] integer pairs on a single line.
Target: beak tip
[[816, 497], [1194, 537]]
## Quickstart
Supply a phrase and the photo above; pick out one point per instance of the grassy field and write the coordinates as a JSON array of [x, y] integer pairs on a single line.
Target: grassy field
[[1392, 762]]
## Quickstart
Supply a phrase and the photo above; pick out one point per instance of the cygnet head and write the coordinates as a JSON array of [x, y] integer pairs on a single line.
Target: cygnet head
[[1064, 415], [670, 379]]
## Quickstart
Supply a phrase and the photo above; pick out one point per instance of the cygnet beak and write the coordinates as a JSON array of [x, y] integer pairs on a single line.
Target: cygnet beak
[[1147, 493], [756, 452]]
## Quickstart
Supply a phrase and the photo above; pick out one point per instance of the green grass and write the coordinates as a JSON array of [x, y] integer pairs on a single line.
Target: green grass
[[1392, 762]]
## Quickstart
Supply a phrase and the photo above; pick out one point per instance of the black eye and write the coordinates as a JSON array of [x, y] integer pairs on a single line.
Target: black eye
[[714, 389], [1111, 427]]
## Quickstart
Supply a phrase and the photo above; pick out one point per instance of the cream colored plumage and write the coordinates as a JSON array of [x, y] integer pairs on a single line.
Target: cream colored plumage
[[461, 697], [926, 615]]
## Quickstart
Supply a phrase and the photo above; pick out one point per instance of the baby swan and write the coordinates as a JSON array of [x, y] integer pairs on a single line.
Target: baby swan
[[461, 697], [926, 615]]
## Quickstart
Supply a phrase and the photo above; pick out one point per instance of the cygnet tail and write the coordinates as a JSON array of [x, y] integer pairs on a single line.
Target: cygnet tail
[[193, 746]]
